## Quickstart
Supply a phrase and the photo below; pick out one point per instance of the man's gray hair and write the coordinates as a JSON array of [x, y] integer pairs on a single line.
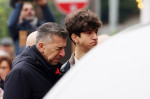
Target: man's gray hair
[[48, 30]]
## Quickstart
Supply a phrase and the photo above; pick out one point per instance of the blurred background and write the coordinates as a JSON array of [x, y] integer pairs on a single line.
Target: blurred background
[[116, 15], [125, 13]]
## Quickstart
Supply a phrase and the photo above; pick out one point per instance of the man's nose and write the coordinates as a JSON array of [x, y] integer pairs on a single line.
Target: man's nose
[[62, 53]]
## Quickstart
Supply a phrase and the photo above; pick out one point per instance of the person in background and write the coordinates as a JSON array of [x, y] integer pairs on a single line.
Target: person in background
[[5, 68], [82, 27], [1, 93], [5, 59], [36, 69], [23, 18], [31, 39], [3, 53], [7, 45]]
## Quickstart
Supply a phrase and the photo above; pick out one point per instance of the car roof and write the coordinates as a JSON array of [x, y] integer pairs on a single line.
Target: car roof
[[119, 68]]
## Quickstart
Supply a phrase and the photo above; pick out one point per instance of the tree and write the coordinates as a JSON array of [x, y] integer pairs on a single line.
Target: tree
[[4, 14]]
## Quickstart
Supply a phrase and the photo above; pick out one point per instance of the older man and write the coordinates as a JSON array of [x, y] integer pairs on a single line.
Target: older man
[[36, 70]]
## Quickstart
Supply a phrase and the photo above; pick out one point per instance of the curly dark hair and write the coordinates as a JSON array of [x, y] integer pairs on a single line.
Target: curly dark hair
[[81, 21]]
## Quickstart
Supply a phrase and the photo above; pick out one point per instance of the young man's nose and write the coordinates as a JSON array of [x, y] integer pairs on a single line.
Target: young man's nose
[[94, 35]]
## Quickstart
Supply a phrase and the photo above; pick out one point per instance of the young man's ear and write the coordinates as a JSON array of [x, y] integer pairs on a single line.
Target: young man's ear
[[40, 47], [75, 38]]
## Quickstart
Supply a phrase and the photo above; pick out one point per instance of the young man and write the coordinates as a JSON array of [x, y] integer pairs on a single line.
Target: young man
[[82, 27], [35, 71], [23, 18]]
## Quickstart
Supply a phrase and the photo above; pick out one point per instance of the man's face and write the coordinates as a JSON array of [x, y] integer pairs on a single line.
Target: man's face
[[54, 50], [4, 69], [27, 12], [88, 40]]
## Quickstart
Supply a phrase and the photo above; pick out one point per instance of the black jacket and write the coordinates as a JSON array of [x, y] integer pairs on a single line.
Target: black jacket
[[31, 77]]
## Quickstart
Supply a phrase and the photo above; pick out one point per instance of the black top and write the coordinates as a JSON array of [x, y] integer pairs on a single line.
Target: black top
[[31, 77]]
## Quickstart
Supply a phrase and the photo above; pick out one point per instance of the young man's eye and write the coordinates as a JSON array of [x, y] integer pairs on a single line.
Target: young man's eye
[[97, 30], [89, 32]]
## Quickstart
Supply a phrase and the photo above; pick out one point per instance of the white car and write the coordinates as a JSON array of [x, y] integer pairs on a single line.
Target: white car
[[119, 68]]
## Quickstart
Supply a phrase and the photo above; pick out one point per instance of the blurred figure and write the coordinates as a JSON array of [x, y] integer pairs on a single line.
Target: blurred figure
[[35, 71], [3, 53], [1, 93], [3, 71], [5, 68], [6, 44], [31, 39], [83, 28], [102, 38], [23, 18]]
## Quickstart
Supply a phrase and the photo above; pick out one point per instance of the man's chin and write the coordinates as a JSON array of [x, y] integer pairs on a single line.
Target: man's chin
[[53, 63], [29, 19]]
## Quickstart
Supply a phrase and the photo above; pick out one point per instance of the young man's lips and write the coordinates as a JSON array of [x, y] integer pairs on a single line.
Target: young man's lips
[[94, 43]]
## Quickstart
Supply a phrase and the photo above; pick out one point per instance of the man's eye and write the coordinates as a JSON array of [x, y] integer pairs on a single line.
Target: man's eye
[[25, 9], [59, 48]]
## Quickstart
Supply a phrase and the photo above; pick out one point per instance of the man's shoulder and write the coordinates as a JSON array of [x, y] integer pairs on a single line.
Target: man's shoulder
[[21, 67], [17, 73]]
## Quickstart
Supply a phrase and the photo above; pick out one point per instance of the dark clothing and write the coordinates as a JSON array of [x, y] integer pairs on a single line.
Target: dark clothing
[[14, 27], [31, 77], [66, 66], [2, 84]]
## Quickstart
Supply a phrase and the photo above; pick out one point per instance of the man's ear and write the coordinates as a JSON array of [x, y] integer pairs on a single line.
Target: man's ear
[[41, 47], [74, 37]]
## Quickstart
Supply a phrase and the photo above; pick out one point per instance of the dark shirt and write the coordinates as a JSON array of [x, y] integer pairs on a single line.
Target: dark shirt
[[2, 84]]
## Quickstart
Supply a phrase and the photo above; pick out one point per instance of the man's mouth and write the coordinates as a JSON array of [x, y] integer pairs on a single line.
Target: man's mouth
[[94, 43]]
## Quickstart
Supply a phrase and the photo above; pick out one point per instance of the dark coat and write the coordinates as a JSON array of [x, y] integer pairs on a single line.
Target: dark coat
[[31, 77]]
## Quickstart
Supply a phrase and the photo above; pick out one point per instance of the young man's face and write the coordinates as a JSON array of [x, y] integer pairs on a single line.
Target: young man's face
[[27, 12], [54, 50], [88, 40]]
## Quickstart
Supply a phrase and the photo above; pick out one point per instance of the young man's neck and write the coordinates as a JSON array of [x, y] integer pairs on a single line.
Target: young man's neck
[[79, 52]]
